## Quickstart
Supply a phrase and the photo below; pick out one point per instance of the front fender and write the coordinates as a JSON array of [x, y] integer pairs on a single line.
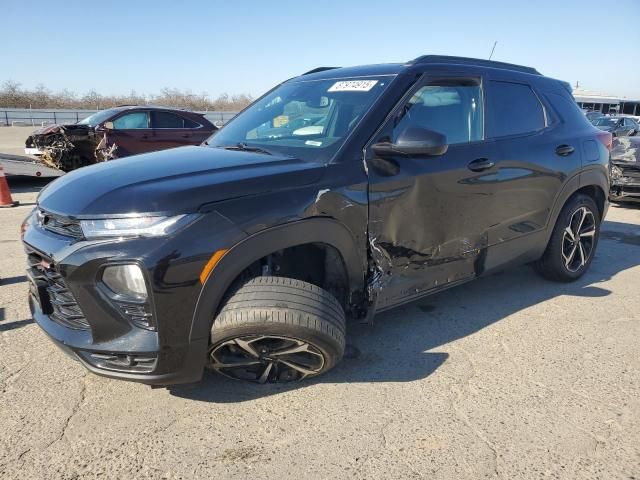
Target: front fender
[[258, 245]]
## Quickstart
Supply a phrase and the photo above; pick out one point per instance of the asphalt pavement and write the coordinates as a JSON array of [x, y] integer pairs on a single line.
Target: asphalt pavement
[[509, 376]]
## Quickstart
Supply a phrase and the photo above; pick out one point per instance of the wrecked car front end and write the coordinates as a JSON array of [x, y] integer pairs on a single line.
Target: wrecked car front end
[[67, 147], [625, 169]]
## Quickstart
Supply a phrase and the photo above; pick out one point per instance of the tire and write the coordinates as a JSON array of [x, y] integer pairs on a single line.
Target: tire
[[565, 259], [276, 329]]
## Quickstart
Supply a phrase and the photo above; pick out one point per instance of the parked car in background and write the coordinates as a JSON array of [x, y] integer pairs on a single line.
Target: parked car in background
[[591, 116], [341, 192], [116, 133], [625, 169], [617, 126]]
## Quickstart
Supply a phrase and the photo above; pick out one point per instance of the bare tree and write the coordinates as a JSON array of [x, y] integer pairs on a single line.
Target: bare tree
[[13, 96]]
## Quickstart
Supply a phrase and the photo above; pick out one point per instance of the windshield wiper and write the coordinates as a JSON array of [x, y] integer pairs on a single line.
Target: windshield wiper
[[246, 148]]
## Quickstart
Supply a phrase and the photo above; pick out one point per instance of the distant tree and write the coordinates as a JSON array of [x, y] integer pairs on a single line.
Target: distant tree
[[13, 96]]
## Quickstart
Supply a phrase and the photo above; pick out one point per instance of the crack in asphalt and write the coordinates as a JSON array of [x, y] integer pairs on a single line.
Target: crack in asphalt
[[76, 408], [460, 396]]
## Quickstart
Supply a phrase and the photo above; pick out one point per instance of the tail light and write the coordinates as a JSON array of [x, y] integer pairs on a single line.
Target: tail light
[[605, 138]]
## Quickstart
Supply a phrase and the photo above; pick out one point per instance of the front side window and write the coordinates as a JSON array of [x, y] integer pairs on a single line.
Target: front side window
[[513, 109], [309, 119], [132, 121], [450, 107]]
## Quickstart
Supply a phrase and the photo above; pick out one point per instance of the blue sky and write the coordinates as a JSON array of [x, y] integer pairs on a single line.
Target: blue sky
[[241, 46]]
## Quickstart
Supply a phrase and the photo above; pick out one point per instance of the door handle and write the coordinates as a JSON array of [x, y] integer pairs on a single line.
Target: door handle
[[480, 164], [564, 150]]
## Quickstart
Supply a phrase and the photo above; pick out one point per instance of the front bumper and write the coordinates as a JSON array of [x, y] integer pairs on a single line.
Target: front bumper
[[625, 189], [79, 346], [68, 301], [33, 151], [625, 184]]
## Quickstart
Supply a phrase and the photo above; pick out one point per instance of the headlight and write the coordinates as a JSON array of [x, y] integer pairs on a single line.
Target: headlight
[[616, 172], [143, 226], [126, 280]]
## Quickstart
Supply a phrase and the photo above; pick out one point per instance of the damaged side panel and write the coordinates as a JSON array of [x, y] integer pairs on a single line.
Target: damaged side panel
[[67, 147], [419, 239]]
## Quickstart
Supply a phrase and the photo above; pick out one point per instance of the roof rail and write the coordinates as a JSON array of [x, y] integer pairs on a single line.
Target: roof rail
[[471, 61], [319, 69]]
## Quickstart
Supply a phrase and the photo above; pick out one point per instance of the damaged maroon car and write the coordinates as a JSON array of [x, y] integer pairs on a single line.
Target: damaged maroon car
[[115, 133]]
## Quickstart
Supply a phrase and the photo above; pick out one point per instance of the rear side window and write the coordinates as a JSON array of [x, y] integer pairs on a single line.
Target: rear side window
[[171, 120], [513, 109], [567, 109]]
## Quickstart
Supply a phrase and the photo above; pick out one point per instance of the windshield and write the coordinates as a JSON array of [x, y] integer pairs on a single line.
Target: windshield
[[605, 122], [306, 119], [98, 117]]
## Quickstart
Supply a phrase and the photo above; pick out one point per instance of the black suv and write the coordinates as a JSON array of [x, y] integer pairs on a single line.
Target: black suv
[[340, 193]]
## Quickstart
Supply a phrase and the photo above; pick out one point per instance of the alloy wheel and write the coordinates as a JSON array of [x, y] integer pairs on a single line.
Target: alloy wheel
[[266, 358], [578, 239]]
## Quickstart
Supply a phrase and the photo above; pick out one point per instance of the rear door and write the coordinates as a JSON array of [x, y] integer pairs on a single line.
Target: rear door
[[534, 158], [173, 130], [131, 133]]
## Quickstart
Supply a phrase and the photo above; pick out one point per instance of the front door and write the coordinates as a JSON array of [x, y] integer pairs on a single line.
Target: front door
[[131, 133], [429, 216]]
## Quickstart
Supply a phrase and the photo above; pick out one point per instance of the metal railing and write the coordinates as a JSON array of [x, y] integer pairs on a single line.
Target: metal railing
[[38, 117]]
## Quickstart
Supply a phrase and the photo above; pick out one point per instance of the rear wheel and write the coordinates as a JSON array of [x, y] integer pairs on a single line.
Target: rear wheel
[[275, 329], [573, 241]]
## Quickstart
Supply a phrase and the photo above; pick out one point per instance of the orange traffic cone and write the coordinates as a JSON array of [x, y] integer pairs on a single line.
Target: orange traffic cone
[[5, 193]]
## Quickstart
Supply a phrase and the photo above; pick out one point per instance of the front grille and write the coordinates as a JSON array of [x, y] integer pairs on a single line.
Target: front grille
[[61, 304], [631, 172], [59, 224]]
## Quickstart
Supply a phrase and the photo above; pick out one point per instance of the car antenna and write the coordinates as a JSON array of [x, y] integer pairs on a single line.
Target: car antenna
[[493, 49]]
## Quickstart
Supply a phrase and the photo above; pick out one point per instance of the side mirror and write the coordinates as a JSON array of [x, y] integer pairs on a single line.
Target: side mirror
[[107, 125], [414, 142]]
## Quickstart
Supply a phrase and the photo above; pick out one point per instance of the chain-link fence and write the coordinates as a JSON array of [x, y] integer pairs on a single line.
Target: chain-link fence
[[35, 117]]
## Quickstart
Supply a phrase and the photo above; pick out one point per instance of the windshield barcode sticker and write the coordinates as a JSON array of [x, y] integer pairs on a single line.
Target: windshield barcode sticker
[[353, 86]]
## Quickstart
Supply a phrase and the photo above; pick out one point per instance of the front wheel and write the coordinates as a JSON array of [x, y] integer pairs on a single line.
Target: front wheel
[[276, 329], [573, 241]]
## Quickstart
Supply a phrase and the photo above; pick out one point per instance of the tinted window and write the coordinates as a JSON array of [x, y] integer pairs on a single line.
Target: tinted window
[[452, 110], [171, 120], [513, 108], [190, 123], [133, 120], [567, 108]]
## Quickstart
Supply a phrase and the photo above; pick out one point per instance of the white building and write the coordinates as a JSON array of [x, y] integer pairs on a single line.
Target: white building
[[605, 103]]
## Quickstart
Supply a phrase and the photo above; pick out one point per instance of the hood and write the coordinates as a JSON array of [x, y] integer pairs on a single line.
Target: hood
[[55, 128], [626, 151], [606, 128], [173, 181]]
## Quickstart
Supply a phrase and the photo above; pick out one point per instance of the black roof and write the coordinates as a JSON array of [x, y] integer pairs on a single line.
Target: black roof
[[396, 68], [444, 59]]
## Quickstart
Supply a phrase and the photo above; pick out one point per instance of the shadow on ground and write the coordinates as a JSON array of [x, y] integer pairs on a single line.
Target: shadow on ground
[[12, 280], [20, 184], [402, 344]]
